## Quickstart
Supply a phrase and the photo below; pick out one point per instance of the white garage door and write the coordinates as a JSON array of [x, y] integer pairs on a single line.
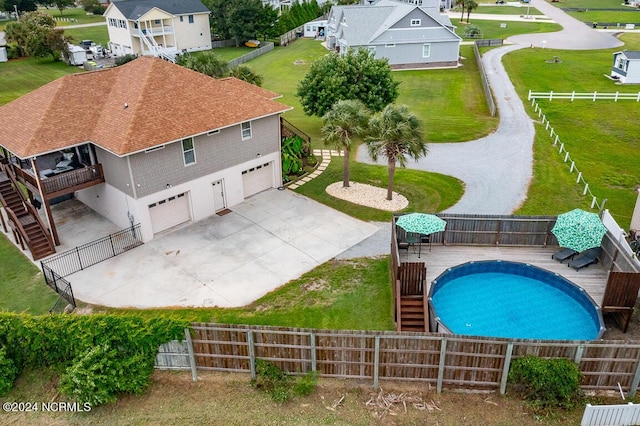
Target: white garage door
[[169, 212], [257, 179]]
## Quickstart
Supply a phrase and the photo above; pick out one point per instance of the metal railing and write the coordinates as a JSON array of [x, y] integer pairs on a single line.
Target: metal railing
[[94, 252], [61, 286]]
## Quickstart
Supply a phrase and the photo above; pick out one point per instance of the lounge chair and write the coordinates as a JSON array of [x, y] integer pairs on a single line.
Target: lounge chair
[[585, 258], [564, 254]]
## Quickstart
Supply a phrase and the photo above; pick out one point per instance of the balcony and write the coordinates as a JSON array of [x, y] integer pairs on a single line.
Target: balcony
[[153, 31], [57, 185]]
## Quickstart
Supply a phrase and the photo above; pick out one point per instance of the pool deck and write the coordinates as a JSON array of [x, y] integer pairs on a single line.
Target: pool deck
[[593, 278]]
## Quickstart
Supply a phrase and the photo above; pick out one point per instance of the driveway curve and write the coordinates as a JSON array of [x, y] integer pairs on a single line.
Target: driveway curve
[[496, 170]]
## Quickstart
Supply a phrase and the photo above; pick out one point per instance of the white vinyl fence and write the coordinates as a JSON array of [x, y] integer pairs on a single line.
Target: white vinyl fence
[[592, 96], [611, 415]]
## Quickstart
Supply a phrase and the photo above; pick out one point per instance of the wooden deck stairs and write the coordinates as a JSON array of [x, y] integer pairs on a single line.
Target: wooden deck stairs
[[411, 298], [25, 223]]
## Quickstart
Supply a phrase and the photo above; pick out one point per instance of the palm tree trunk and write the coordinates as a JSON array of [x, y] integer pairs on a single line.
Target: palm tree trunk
[[345, 169], [468, 14], [392, 172]]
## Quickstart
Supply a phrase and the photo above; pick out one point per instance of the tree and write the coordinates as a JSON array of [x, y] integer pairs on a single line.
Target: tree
[[63, 4], [345, 119], [23, 5], [266, 25], [244, 73], [36, 35], [244, 17], [355, 75], [395, 133], [461, 3], [470, 5], [206, 63]]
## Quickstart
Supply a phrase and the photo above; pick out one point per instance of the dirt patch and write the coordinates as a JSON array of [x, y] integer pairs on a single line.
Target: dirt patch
[[298, 62], [316, 285]]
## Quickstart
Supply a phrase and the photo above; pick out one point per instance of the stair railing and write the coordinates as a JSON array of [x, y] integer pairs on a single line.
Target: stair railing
[[398, 307], [16, 226]]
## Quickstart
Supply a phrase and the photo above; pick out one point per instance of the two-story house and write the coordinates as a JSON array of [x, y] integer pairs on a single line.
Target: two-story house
[[408, 35], [148, 142], [161, 28]]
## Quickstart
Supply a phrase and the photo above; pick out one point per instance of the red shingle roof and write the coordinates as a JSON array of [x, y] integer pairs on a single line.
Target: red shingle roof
[[165, 102]]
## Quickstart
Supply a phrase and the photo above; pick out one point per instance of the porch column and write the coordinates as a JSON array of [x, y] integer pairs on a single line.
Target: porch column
[[45, 203]]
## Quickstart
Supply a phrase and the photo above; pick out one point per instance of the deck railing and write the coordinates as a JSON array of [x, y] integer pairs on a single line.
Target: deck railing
[[58, 184]]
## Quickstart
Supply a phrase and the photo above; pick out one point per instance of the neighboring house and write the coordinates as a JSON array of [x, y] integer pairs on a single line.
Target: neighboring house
[[626, 67], [409, 36], [159, 28], [316, 29], [148, 142]]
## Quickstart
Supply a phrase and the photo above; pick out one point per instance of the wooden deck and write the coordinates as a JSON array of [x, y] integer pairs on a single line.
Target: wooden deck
[[593, 278]]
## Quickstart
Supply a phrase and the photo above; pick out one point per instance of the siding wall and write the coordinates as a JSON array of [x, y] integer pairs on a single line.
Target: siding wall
[[116, 171], [154, 171], [441, 52], [425, 20], [193, 37]]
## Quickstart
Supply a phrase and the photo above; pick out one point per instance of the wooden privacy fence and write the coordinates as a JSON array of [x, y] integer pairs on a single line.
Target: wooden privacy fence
[[268, 47], [444, 361]]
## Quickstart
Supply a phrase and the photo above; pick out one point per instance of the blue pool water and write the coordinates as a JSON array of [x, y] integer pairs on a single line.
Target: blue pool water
[[516, 300]]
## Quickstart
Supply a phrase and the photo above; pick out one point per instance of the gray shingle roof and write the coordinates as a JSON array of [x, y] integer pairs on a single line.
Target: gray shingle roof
[[133, 9], [632, 54]]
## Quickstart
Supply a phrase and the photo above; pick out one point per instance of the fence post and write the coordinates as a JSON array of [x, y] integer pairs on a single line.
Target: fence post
[[252, 354], [586, 188], [634, 383], [505, 368], [595, 96], [579, 177], [616, 97], [551, 134], [529, 97], [551, 95], [112, 249], [192, 358], [555, 142], [579, 353], [593, 202], [314, 366], [443, 352], [573, 95], [376, 361], [566, 157], [79, 258], [561, 148], [573, 165]]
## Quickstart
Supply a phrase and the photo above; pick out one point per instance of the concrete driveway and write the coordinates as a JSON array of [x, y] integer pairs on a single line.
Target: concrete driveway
[[231, 260]]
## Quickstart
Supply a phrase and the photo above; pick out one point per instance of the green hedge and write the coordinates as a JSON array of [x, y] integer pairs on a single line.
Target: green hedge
[[101, 355]]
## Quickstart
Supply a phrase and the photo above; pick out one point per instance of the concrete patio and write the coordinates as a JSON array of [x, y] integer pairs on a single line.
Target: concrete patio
[[231, 260]]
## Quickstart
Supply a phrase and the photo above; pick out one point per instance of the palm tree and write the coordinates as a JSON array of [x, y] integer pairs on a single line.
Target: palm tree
[[469, 5], [461, 4], [243, 72], [396, 133], [345, 119], [206, 63]]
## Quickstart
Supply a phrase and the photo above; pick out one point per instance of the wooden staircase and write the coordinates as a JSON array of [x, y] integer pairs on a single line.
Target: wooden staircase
[[26, 225], [411, 298]]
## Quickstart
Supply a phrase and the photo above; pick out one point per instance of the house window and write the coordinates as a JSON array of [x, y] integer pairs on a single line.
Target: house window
[[426, 50], [372, 50], [188, 151], [415, 22], [157, 21], [191, 19], [182, 19], [246, 130]]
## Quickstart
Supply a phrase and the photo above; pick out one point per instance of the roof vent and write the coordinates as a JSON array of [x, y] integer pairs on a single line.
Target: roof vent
[[126, 105]]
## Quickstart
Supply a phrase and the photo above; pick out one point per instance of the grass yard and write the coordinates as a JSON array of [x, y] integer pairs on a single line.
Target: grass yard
[[346, 294], [99, 35], [450, 101], [229, 399], [21, 283], [229, 53], [76, 13], [21, 76], [603, 145], [624, 16], [426, 192], [491, 29], [506, 10]]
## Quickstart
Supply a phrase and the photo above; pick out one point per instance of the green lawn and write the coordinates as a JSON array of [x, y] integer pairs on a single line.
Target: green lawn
[[599, 136], [426, 192], [450, 101], [21, 76], [506, 10], [72, 13], [229, 53], [491, 29], [99, 35], [625, 16], [21, 284]]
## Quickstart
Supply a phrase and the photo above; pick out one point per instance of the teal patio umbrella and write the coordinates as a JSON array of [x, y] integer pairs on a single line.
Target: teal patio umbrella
[[421, 223], [579, 230]]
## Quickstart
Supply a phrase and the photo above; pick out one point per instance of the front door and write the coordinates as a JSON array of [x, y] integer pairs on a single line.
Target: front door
[[218, 196]]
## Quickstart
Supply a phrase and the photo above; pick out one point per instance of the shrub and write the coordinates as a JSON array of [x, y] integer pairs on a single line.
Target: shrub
[[279, 384], [124, 59], [546, 382], [8, 372]]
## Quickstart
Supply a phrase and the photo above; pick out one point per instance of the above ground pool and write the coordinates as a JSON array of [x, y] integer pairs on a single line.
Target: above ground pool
[[516, 300]]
